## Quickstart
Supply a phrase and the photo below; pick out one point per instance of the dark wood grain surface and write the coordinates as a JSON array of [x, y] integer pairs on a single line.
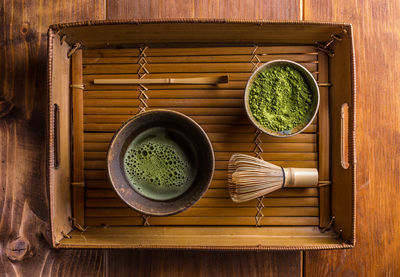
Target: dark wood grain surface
[[23, 196], [377, 39], [24, 222], [202, 263], [222, 9]]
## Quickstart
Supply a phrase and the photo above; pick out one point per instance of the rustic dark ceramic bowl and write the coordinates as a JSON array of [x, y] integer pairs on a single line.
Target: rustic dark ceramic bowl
[[189, 135]]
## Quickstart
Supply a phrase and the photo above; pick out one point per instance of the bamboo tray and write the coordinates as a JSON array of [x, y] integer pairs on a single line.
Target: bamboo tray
[[94, 216]]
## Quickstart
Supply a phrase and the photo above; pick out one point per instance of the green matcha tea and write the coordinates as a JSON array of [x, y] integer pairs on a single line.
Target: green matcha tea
[[280, 98], [157, 166]]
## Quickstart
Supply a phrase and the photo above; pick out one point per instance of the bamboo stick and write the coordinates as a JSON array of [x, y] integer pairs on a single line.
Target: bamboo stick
[[323, 140], [240, 85], [233, 76], [165, 103], [198, 80], [77, 150]]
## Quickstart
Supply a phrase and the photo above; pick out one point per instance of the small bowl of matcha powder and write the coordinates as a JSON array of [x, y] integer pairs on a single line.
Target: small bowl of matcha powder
[[282, 98]]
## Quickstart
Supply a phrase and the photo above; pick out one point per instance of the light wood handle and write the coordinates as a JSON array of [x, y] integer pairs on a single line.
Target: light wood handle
[[301, 177], [200, 80]]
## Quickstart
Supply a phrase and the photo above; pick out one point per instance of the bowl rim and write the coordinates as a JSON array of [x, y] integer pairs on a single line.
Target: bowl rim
[[247, 91], [123, 198]]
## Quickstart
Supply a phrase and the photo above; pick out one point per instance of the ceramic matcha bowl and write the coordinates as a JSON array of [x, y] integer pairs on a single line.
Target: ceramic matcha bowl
[[160, 162], [312, 104]]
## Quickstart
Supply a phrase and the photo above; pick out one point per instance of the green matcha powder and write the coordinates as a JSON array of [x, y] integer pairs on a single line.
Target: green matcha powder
[[280, 98]]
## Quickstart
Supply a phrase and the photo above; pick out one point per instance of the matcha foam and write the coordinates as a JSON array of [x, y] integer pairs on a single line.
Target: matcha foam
[[157, 166]]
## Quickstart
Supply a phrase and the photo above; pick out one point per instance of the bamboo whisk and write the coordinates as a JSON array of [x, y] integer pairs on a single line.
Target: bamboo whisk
[[250, 177]]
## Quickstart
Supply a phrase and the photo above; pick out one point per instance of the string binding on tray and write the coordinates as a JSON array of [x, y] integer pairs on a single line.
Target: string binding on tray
[[146, 220], [338, 235], [75, 224], [329, 226], [142, 72], [82, 87], [255, 61], [143, 97], [327, 47], [73, 49]]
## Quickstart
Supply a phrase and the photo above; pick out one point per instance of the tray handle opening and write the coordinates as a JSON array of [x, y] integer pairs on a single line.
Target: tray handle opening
[[344, 135], [56, 137]]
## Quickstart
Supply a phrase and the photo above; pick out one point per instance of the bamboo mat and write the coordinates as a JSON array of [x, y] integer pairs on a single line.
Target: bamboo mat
[[217, 108]]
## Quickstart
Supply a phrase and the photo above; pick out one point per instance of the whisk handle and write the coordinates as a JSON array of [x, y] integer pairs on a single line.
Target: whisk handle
[[300, 177]]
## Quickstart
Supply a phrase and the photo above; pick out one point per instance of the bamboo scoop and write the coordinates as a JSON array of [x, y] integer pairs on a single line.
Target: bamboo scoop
[[199, 80], [250, 177]]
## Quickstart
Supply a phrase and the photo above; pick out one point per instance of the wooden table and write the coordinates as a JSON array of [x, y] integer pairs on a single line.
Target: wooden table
[[24, 224]]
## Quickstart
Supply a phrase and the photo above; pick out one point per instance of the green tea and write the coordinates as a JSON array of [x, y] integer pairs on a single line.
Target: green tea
[[280, 98], [157, 166]]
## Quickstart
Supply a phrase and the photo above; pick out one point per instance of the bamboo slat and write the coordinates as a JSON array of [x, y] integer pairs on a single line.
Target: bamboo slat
[[187, 111], [209, 212], [300, 58], [77, 126], [229, 147], [101, 163], [203, 51], [209, 128], [276, 158], [218, 202], [217, 108], [166, 94], [223, 184], [323, 139], [165, 103], [211, 192], [237, 120], [178, 68], [171, 221], [215, 137], [218, 174]]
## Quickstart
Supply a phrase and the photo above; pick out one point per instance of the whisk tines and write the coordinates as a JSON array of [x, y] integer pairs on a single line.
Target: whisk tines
[[250, 177]]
